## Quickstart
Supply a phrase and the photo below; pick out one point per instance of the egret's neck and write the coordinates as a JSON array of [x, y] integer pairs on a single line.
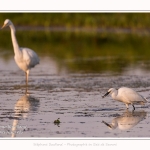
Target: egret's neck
[[114, 94], [14, 40]]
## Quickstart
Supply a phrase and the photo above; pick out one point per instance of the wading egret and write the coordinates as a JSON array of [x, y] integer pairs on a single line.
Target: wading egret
[[25, 58], [127, 96]]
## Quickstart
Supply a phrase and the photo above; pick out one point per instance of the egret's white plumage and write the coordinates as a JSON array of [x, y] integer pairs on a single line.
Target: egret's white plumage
[[127, 96], [25, 58]]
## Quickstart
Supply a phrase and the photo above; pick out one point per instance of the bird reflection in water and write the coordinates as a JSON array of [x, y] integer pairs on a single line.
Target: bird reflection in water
[[22, 107], [127, 120]]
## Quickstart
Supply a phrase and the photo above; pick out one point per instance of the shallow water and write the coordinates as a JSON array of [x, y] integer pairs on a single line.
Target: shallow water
[[75, 70], [75, 98]]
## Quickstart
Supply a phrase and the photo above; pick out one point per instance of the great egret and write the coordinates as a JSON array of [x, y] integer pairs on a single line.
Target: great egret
[[25, 58], [127, 96]]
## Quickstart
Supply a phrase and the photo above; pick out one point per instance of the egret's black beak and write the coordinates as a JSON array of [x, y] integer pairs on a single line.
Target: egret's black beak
[[107, 124], [105, 94]]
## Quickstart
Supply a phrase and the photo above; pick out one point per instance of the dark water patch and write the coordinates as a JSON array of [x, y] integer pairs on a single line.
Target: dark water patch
[[83, 114], [114, 115], [5, 111], [59, 113], [10, 118], [106, 109]]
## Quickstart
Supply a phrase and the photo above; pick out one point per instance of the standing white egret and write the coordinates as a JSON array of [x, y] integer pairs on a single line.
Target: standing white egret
[[127, 96], [25, 58]]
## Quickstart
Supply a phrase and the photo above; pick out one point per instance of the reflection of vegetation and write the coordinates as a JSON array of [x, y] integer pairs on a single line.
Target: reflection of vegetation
[[86, 45], [98, 65]]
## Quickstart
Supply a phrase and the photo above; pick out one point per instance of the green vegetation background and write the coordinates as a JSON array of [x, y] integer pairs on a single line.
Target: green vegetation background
[[124, 20], [124, 47]]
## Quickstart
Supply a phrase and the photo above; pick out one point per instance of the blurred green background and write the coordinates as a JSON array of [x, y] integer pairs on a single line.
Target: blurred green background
[[83, 42], [126, 20]]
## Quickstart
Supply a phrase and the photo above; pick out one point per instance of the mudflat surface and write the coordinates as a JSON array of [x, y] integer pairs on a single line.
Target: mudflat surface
[[74, 98]]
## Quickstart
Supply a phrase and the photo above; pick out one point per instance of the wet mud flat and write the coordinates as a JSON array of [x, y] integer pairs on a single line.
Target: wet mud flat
[[73, 99]]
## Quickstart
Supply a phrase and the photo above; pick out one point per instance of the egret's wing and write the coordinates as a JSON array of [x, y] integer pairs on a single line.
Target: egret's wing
[[30, 57], [132, 95]]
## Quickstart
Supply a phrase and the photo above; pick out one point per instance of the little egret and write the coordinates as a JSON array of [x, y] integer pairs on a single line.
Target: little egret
[[127, 96], [25, 58]]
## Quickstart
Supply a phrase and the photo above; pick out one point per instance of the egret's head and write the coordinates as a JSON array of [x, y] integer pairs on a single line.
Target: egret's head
[[7, 22], [110, 91]]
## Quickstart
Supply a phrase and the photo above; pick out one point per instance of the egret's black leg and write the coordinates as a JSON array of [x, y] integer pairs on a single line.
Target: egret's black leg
[[133, 107], [26, 79]]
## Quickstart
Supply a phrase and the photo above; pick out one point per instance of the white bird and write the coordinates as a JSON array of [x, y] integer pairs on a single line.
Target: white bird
[[127, 96], [25, 58]]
